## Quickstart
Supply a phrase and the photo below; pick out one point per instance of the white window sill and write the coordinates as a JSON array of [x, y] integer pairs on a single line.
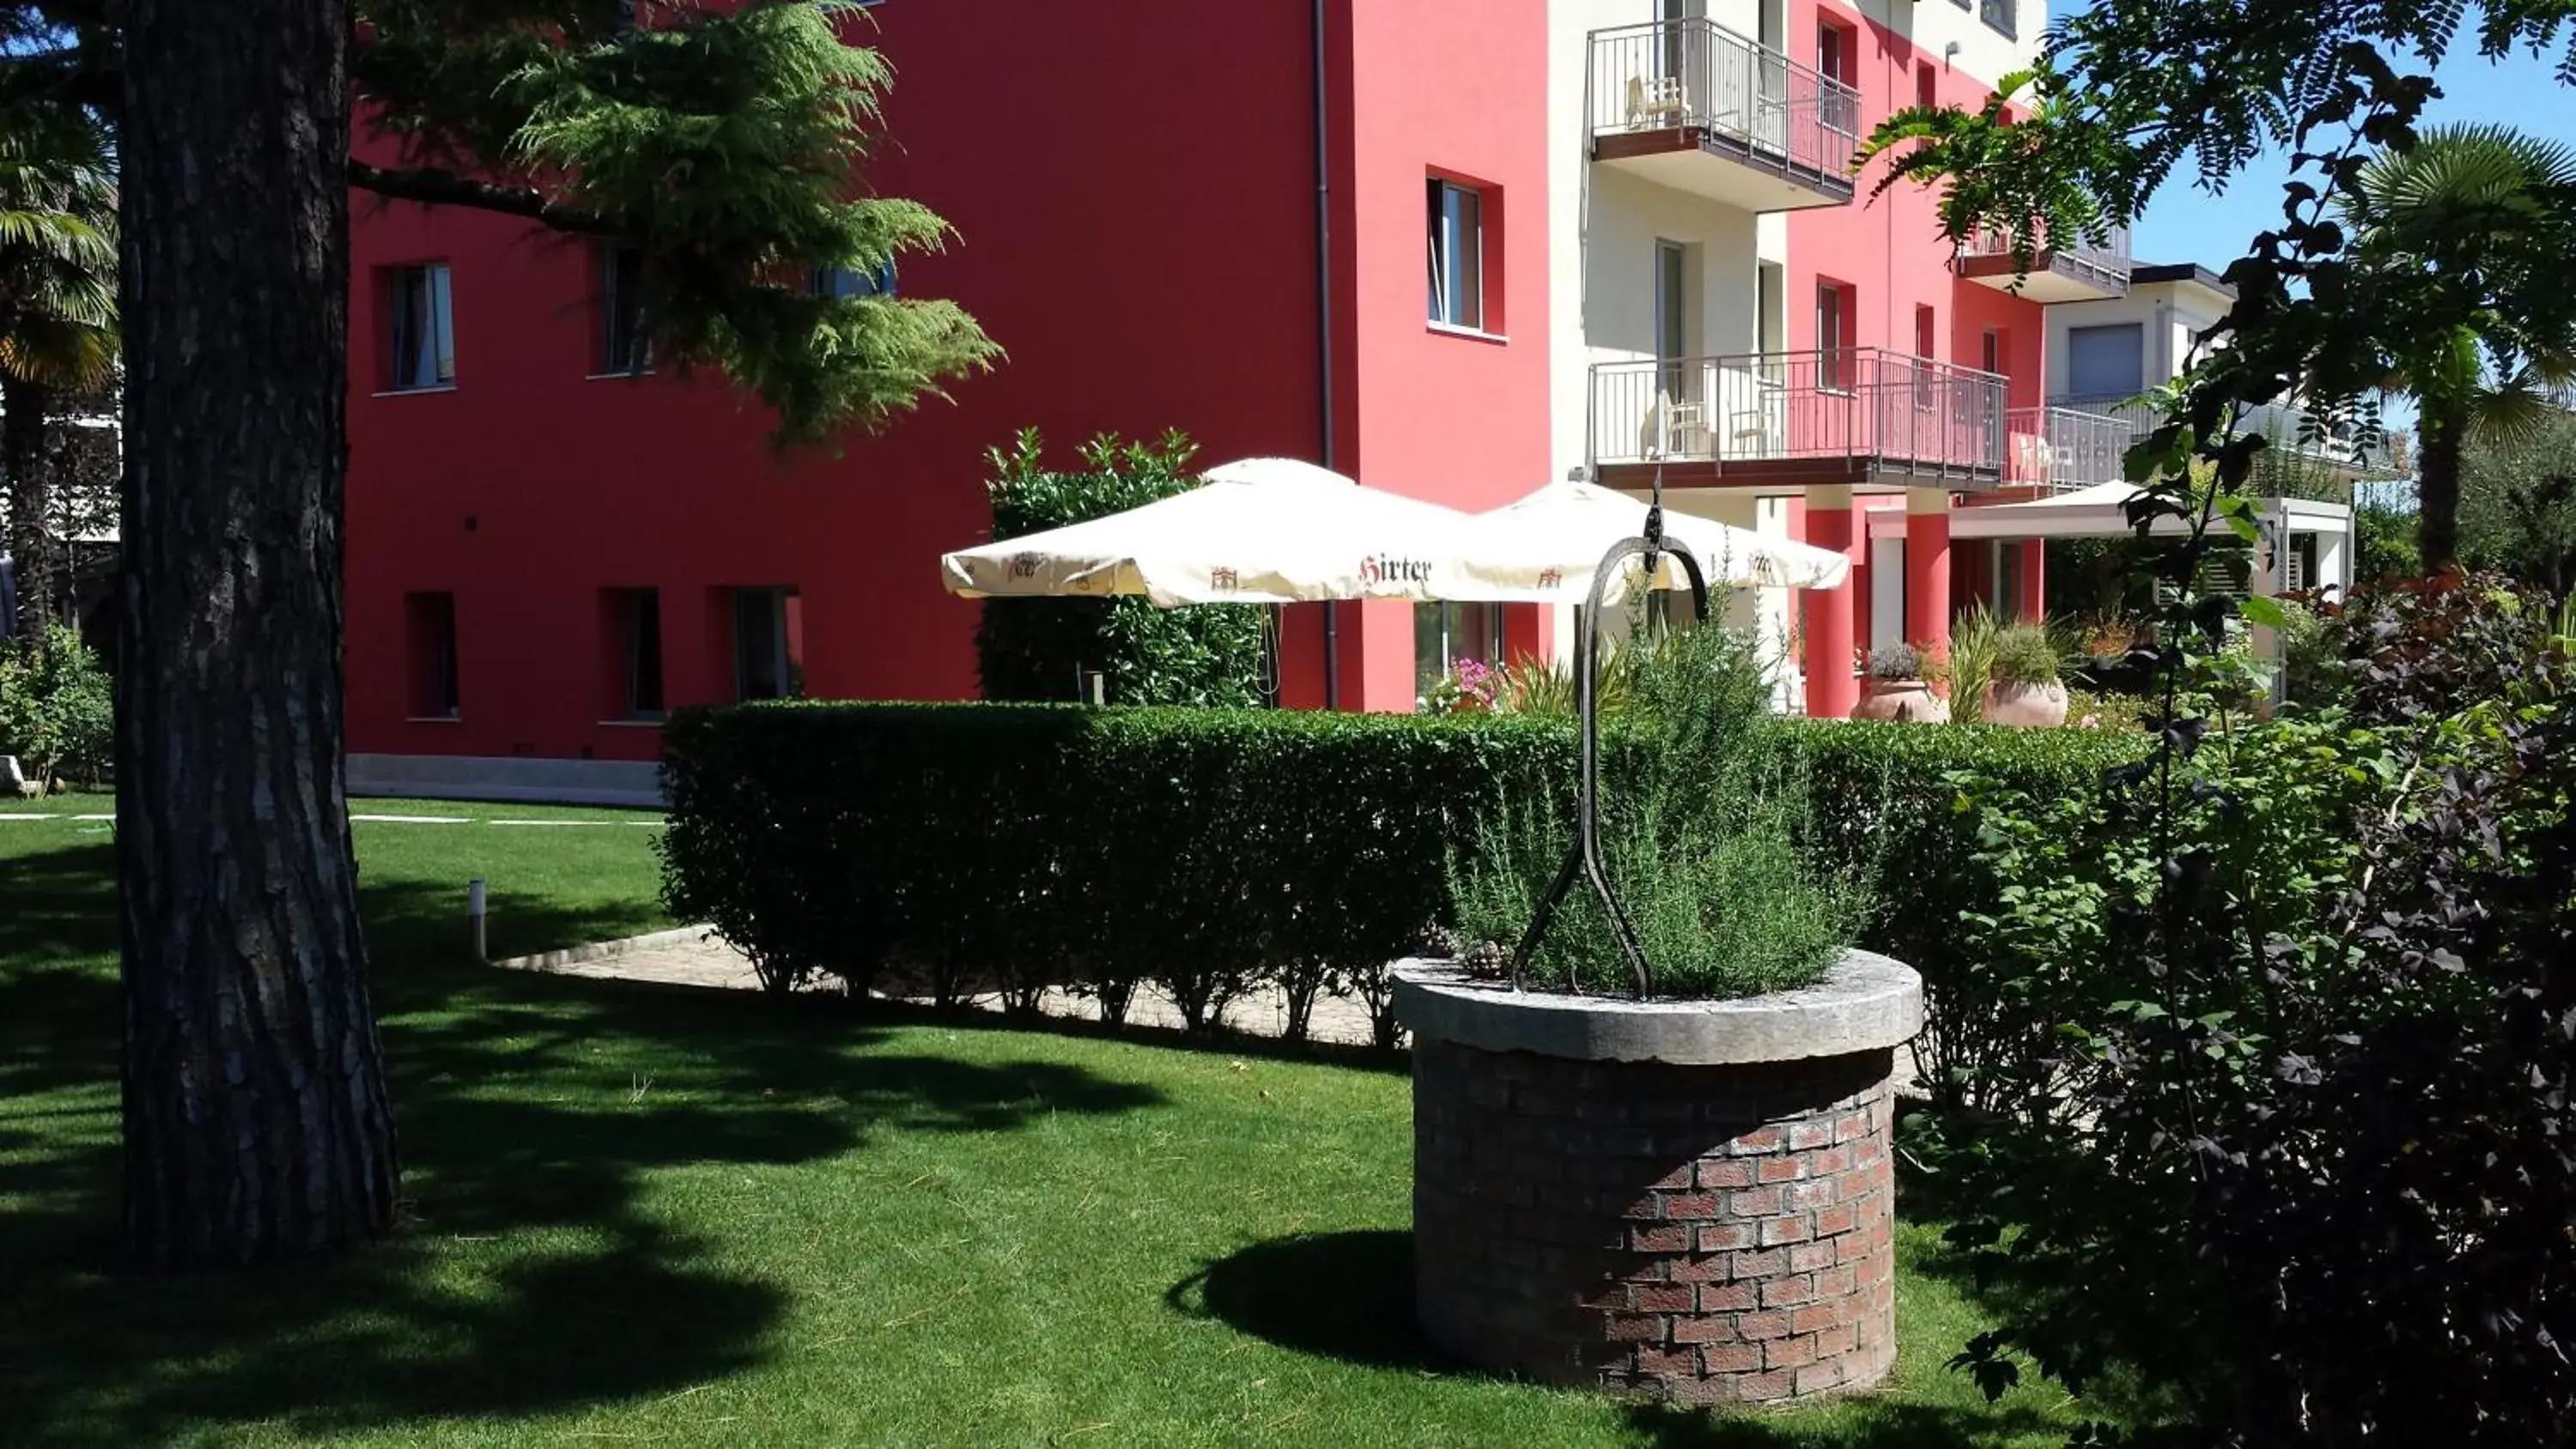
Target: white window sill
[[633, 724], [413, 391], [1472, 334], [616, 376], [433, 719]]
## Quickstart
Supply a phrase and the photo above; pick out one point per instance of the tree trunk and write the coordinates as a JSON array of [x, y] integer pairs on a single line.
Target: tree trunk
[[256, 1121], [2437, 487], [22, 457]]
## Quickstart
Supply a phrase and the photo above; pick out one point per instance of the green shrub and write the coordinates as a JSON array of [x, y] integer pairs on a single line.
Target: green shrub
[[1915, 810], [1702, 819], [2025, 654], [1038, 649], [1970, 664], [974, 849], [57, 708], [980, 850], [1896, 660]]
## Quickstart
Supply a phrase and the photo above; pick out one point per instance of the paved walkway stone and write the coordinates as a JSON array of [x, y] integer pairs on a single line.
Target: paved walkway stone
[[696, 956]]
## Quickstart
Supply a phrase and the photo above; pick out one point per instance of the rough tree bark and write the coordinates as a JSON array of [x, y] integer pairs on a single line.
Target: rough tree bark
[[22, 457], [2437, 488], [256, 1120]]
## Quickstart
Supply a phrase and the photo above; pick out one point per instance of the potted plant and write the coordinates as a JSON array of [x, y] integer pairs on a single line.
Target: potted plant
[[1665, 1172], [1895, 689], [2025, 689]]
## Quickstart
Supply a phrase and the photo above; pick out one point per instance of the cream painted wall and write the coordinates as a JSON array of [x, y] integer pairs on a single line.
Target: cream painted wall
[[1603, 226]]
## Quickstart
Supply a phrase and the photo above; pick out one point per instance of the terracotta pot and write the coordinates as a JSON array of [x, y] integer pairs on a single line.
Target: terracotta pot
[[1901, 699], [2026, 704]]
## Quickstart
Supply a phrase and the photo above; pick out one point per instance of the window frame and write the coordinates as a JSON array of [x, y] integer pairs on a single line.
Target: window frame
[[431, 652], [2137, 330], [435, 294], [879, 281], [641, 656], [1446, 617], [1442, 249], [1834, 350], [784, 657], [624, 340]]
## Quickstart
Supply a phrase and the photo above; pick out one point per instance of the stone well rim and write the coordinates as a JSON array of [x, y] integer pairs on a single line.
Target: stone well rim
[[1864, 1002]]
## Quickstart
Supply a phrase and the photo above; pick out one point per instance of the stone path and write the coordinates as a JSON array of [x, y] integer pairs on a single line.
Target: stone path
[[694, 956]]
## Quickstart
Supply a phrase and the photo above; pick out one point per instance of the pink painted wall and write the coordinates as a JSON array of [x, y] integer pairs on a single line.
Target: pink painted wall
[[1455, 89], [1890, 249], [1134, 200]]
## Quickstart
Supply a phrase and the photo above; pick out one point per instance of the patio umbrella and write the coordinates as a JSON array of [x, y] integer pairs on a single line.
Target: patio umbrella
[[1545, 547], [1258, 531]]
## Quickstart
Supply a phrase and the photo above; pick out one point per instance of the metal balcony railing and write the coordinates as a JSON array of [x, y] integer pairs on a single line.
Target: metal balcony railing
[[2064, 449], [1698, 75], [1888, 411], [2297, 433], [2106, 262]]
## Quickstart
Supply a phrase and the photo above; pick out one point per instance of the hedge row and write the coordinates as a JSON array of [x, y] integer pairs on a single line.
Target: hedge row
[[953, 851]]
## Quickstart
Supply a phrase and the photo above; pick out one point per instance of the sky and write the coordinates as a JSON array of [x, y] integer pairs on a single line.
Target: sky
[[2186, 224]]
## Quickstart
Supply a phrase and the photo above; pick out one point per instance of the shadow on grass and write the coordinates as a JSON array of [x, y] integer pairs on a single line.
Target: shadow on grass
[[1867, 1423], [1227, 1041], [1349, 1296], [533, 1274], [1336, 1295]]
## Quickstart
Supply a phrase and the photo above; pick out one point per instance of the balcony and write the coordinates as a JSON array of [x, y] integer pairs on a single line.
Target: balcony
[[2062, 449], [1691, 105], [2082, 273], [2299, 440], [1858, 416]]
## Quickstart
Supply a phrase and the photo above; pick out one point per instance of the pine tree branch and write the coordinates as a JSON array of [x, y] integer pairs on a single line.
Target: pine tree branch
[[432, 187]]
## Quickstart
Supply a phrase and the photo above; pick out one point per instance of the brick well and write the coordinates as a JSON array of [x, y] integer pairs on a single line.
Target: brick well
[[1706, 1233]]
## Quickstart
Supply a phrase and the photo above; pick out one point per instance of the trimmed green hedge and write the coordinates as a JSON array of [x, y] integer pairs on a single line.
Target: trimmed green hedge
[[952, 851]]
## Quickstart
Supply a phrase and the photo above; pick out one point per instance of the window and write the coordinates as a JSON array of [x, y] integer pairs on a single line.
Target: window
[[424, 334], [1770, 306], [1834, 316], [1925, 324], [1672, 314], [623, 347], [1999, 17], [1990, 351], [1838, 50], [633, 628], [2106, 362], [1927, 86], [429, 627], [1457, 248], [1443, 634], [1682, 43], [854, 282], [768, 639]]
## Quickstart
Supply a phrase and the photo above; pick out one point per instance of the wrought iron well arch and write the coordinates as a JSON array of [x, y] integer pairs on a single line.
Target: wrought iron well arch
[[1585, 854]]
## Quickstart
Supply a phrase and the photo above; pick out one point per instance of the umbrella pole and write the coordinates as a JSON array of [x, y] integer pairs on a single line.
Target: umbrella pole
[[1585, 855]]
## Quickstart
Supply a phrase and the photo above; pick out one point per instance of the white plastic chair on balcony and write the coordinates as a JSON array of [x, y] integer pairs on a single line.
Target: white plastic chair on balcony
[[1749, 435], [1656, 100], [1680, 429]]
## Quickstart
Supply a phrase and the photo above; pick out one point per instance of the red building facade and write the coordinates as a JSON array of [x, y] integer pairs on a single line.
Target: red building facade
[[1210, 218]]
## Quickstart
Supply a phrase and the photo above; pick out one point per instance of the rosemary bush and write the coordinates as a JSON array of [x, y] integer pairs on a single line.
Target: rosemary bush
[[1701, 820]]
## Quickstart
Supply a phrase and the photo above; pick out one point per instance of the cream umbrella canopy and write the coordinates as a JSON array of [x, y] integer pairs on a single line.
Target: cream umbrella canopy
[[1257, 531], [1545, 547]]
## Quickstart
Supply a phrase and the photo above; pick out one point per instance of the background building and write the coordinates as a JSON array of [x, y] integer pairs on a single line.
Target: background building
[[1455, 248]]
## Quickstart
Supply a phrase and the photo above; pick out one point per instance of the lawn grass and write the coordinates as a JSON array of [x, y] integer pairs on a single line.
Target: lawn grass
[[656, 1216]]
